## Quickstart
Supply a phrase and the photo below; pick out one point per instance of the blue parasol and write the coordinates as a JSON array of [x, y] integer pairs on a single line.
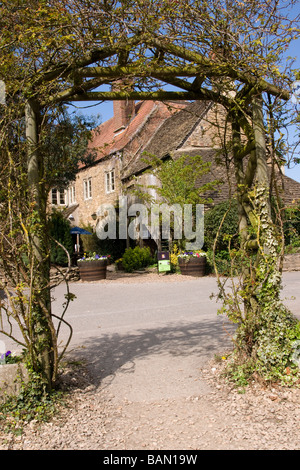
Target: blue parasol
[[79, 231]]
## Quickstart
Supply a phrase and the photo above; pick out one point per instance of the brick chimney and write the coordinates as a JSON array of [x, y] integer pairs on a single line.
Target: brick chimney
[[124, 110]]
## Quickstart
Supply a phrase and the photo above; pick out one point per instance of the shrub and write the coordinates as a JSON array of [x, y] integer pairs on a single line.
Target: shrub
[[136, 258], [90, 243], [291, 226], [222, 261], [212, 221], [174, 258], [60, 231]]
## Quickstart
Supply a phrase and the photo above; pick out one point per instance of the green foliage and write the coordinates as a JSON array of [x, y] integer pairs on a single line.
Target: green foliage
[[267, 333], [45, 44], [33, 402], [240, 374], [221, 232], [275, 349], [227, 231], [136, 258], [8, 358], [222, 261], [275, 341], [175, 251], [60, 232], [179, 179], [113, 247], [64, 143], [90, 243], [275, 354], [291, 227]]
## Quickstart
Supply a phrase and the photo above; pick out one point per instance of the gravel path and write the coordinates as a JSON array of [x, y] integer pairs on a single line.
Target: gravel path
[[217, 418], [164, 401]]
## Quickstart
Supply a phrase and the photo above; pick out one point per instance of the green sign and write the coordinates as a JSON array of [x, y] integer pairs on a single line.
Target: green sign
[[164, 265]]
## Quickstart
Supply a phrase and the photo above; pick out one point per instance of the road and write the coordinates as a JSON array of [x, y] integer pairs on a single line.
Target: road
[[123, 308], [116, 308]]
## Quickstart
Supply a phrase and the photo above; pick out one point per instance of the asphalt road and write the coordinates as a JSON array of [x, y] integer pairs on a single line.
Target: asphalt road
[[125, 308], [182, 308]]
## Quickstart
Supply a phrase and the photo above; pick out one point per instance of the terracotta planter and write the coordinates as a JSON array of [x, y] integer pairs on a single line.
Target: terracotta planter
[[193, 266], [92, 270]]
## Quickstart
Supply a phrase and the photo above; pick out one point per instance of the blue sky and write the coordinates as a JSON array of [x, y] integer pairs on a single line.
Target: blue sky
[[294, 51]]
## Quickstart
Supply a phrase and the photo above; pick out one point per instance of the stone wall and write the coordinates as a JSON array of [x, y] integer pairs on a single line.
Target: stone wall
[[97, 173], [11, 378], [210, 132], [57, 275], [291, 262]]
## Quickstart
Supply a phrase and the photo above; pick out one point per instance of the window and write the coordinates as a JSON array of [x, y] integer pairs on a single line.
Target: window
[[71, 195], [110, 181], [62, 198], [54, 196], [58, 197], [87, 188]]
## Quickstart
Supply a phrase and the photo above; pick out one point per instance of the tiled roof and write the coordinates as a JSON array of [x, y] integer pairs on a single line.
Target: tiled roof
[[218, 173], [289, 189], [106, 141], [171, 134]]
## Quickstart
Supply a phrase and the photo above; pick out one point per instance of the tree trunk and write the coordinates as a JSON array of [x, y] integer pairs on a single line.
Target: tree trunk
[[247, 245], [43, 338], [267, 232]]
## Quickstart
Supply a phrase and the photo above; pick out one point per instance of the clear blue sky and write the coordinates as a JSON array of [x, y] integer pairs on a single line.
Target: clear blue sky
[[294, 51]]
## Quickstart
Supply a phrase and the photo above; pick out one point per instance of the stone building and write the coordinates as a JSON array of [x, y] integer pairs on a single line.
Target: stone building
[[118, 142], [166, 130], [198, 129]]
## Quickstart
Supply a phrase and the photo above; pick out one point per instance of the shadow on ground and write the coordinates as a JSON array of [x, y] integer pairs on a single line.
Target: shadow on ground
[[109, 354]]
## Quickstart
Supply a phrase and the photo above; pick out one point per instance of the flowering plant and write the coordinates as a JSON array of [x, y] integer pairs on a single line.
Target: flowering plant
[[93, 257], [8, 358], [186, 255]]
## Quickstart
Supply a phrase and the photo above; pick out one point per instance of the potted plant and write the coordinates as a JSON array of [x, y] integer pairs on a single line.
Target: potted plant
[[92, 267], [192, 263]]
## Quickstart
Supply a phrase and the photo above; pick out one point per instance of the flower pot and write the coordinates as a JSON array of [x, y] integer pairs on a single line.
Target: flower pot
[[93, 270], [192, 266]]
